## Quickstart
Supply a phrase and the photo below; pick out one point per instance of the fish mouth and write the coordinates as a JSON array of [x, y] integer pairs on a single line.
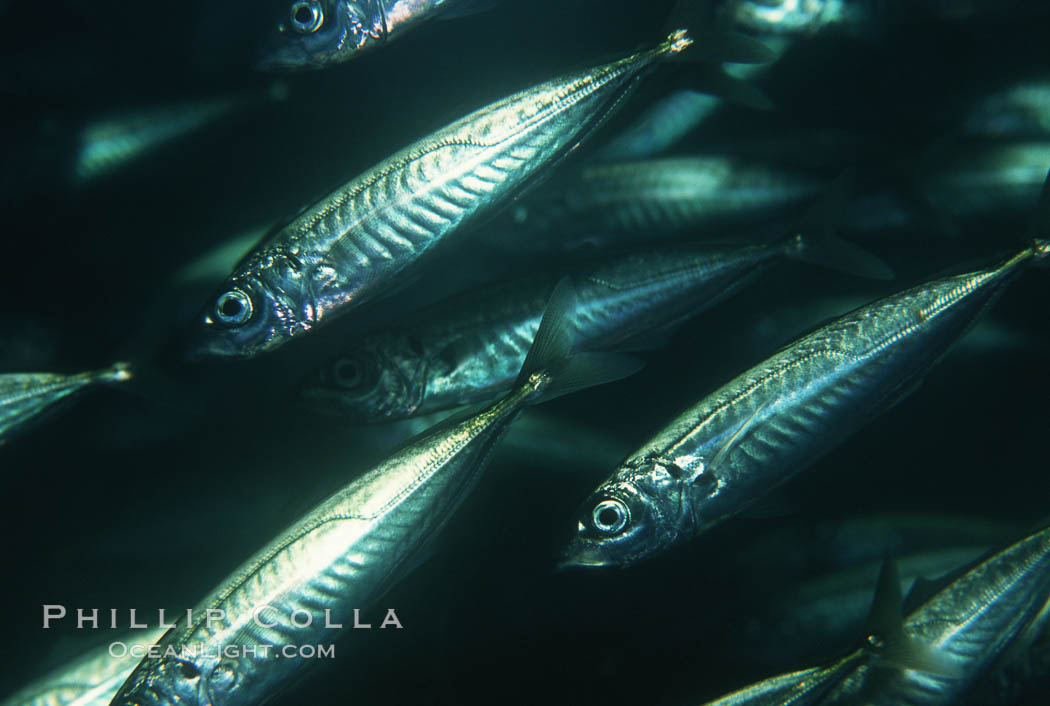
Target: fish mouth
[[286, 59], [213, 349], [587, 558]]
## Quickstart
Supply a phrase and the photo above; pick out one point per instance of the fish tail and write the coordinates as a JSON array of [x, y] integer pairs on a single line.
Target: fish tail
[[1041, 251], [118, 372], [816, 241], [691, 25], [551, 368]]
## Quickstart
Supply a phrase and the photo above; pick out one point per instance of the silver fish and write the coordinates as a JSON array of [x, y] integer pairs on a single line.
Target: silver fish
[[470, 348], [313, 34], [966, 626], [660, 127], [938, 652], [772, 421], [793, 17], [1020, 110], [351, 245], [352, 547], [805, 687], [673, 194], [112, 142], [25, 397], [821, 617], [89, 680]]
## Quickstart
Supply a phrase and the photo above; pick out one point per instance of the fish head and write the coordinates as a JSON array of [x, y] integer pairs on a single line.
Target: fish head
[[311, 34], [637, 513], [246, 318], [165, 681], [383, 378]]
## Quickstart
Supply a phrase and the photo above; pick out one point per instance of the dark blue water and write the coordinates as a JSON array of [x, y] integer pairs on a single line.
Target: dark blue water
[[149, 498]]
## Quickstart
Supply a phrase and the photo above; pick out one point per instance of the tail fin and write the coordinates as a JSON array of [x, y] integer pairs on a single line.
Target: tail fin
[[715, 44], [116, 373], [551, 357], [817, 242]]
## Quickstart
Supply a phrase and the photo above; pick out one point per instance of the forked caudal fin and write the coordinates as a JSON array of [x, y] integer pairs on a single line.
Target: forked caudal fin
[[715, 44], [816, 241], [118, 372], [551, 355]]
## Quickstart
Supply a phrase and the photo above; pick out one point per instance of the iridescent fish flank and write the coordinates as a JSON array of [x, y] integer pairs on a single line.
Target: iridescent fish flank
[[470, 347], [355, 545], [772, 421], [352, 245]]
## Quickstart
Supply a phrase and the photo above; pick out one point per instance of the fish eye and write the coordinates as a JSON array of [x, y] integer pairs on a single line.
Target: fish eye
[[188, 670], [610, 516], [347, 373], [306, 16], [233, 308]]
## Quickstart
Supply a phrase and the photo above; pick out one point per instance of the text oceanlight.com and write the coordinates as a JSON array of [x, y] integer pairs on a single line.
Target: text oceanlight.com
[[192, 651]]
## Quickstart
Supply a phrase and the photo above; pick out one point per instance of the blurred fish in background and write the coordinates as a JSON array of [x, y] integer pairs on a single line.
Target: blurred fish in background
[[161, 160]]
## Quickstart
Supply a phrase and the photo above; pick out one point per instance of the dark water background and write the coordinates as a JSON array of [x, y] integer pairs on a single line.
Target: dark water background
[[149, 498]]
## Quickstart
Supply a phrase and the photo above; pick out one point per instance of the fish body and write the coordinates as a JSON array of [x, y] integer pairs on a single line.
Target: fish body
[[673, 194], [352, 245], [471, 348], [940, 650], [660, 127], [90, 680], [769, 423], [821, 617], [352, 547], [314, 34], [792, 17], [112, 142], [970, 623], [1019, 111], [805, 687], [26, 397], [987, 180]]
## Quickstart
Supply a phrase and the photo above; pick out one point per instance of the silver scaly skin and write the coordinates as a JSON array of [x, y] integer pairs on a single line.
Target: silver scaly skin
[[772, 421], [90, 680], [802, 688], [964, 627], [820, 617], [471, 347], [25, 397], [663, 195], [351, 245], [353, 547], [970, 623], [313, 34]]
